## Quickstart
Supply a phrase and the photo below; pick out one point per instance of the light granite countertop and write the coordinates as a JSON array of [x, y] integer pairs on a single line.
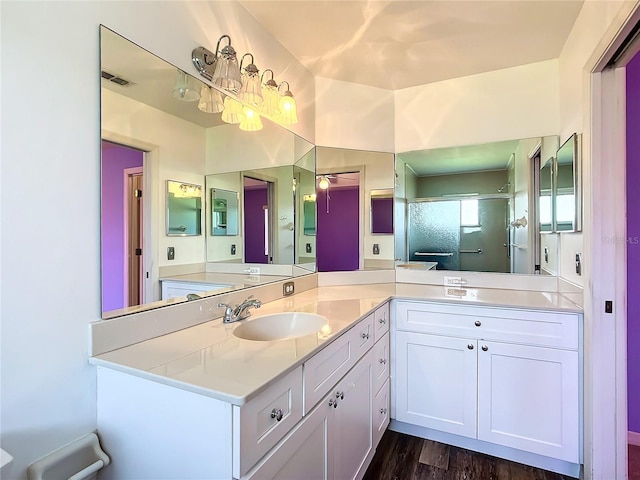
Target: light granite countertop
[[209, 359]]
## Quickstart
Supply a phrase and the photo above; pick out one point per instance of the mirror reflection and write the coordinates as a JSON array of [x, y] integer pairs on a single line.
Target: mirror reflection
[[184, 209], [567, 201], [225, 214], [382, 211], [467, 208], [156, 139]]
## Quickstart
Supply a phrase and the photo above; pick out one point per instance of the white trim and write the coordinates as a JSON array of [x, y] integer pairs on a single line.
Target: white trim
[[633, 438]]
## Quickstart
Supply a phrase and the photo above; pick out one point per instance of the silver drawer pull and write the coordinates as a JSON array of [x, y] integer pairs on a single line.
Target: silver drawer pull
[[340, 395], [478, 323], [333, 403], [383, 411], [365, 335], [484, 348], [383, 361], [470, 346], [382, 321], [277, 414]]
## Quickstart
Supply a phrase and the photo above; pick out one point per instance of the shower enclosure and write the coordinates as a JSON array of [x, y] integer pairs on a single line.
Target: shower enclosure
[[467, 234]]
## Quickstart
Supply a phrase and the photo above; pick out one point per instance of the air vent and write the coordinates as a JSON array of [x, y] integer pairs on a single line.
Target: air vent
[[114, 78]]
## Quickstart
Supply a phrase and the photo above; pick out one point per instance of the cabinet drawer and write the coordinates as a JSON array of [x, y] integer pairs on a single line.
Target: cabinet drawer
[[381, 321], [380, 362], [550, 329], [381, 406], [264, 420], [327, 367]]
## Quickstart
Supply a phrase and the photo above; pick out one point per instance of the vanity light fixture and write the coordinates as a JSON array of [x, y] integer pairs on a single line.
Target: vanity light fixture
[[210, 100], [271, 98], [184, 89], [251, 121], [226, 72], [233, 112], [288, 110], [251, 91]]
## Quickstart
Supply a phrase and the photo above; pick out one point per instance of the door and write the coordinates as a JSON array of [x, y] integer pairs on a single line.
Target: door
[[434, 233], [134, 236], [257, 220], [528, 398], [436, 382]]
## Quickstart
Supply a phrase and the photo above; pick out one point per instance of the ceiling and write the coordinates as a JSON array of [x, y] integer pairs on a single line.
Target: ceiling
[[398, 44]]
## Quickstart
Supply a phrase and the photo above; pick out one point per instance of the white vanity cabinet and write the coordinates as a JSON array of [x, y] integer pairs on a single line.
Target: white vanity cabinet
[[505, 376], [173, 289]]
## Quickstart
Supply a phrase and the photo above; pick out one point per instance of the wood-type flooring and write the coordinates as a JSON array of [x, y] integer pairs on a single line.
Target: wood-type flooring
[[403, 457]]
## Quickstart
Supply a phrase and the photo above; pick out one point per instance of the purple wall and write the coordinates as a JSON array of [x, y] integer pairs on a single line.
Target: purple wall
[[337, 236], [633, 242], [115, 158], [382, 215], [254, 201]]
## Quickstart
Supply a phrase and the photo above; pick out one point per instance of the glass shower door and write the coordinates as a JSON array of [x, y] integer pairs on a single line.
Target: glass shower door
[[434, 233]]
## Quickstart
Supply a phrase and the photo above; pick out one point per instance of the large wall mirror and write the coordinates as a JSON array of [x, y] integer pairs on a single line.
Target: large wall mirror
[[472, 208], [155, 137]]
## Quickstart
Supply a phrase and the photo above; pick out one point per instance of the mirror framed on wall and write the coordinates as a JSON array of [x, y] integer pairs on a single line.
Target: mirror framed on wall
[[145, 111], [491, 220]]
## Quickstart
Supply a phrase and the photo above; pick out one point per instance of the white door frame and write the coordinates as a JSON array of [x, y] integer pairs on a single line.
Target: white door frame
[[605, 342]]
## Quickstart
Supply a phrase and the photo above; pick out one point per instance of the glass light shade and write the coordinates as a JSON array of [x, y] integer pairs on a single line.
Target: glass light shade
[[227, 72], [288, 110], [184, 89], [232, 112], [250, 92], [271, 101], [323, 183], [210, 100], [251, 122]]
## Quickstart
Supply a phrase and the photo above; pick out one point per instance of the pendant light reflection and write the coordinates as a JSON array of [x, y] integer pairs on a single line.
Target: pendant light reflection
[[271, 98], [288, 110], [184, 89], [210, 100], [251, 91], [226, 73], [251, 121], [232, 112], [324, 182]]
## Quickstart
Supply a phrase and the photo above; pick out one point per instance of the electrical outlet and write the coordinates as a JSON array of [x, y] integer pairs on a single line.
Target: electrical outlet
[[308, 248], [171, 253], [233, 249], [376, 249], [288, 288], [579, 263], [253, 270], [452, 281]]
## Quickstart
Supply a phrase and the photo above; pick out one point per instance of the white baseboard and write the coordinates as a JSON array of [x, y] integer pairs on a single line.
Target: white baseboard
[[633, 438]]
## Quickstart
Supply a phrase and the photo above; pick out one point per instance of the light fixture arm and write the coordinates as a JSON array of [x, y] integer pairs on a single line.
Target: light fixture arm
[[218, 44]]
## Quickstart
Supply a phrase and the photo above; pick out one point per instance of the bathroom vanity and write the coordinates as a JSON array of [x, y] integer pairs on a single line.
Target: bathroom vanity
[[495, 369]]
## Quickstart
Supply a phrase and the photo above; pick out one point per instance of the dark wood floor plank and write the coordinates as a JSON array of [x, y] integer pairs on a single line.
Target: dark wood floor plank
[[434, 454], [634, 462]]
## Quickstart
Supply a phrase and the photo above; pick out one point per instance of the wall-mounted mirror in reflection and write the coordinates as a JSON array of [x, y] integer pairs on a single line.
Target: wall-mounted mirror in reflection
[[184, 209], [381, 211], [225, 212], [568, 199], [545, 196], [468, 208], [153, 132]]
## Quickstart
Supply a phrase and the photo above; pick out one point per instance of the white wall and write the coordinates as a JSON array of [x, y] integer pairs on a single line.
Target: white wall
[[513, 103], [51, 192], [349, 115]]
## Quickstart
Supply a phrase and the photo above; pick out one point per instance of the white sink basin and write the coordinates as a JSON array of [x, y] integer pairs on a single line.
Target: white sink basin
[[280, 326]]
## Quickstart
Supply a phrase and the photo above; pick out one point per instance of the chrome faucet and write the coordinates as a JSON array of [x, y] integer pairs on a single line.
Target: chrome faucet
[[239, 312]]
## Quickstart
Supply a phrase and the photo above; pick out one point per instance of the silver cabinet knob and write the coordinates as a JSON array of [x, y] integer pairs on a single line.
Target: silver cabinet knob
[[382, 321], [383, 361], [484, 348], [277, 414], [365, 335], [333, 403], [383, 411], [478, 323], [340, 395], [470, 346]]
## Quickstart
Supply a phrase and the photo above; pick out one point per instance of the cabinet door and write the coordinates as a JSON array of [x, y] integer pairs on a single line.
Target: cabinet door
[[528, 398], [304, 453], [436, 382], [381, 321], [351, 425]]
